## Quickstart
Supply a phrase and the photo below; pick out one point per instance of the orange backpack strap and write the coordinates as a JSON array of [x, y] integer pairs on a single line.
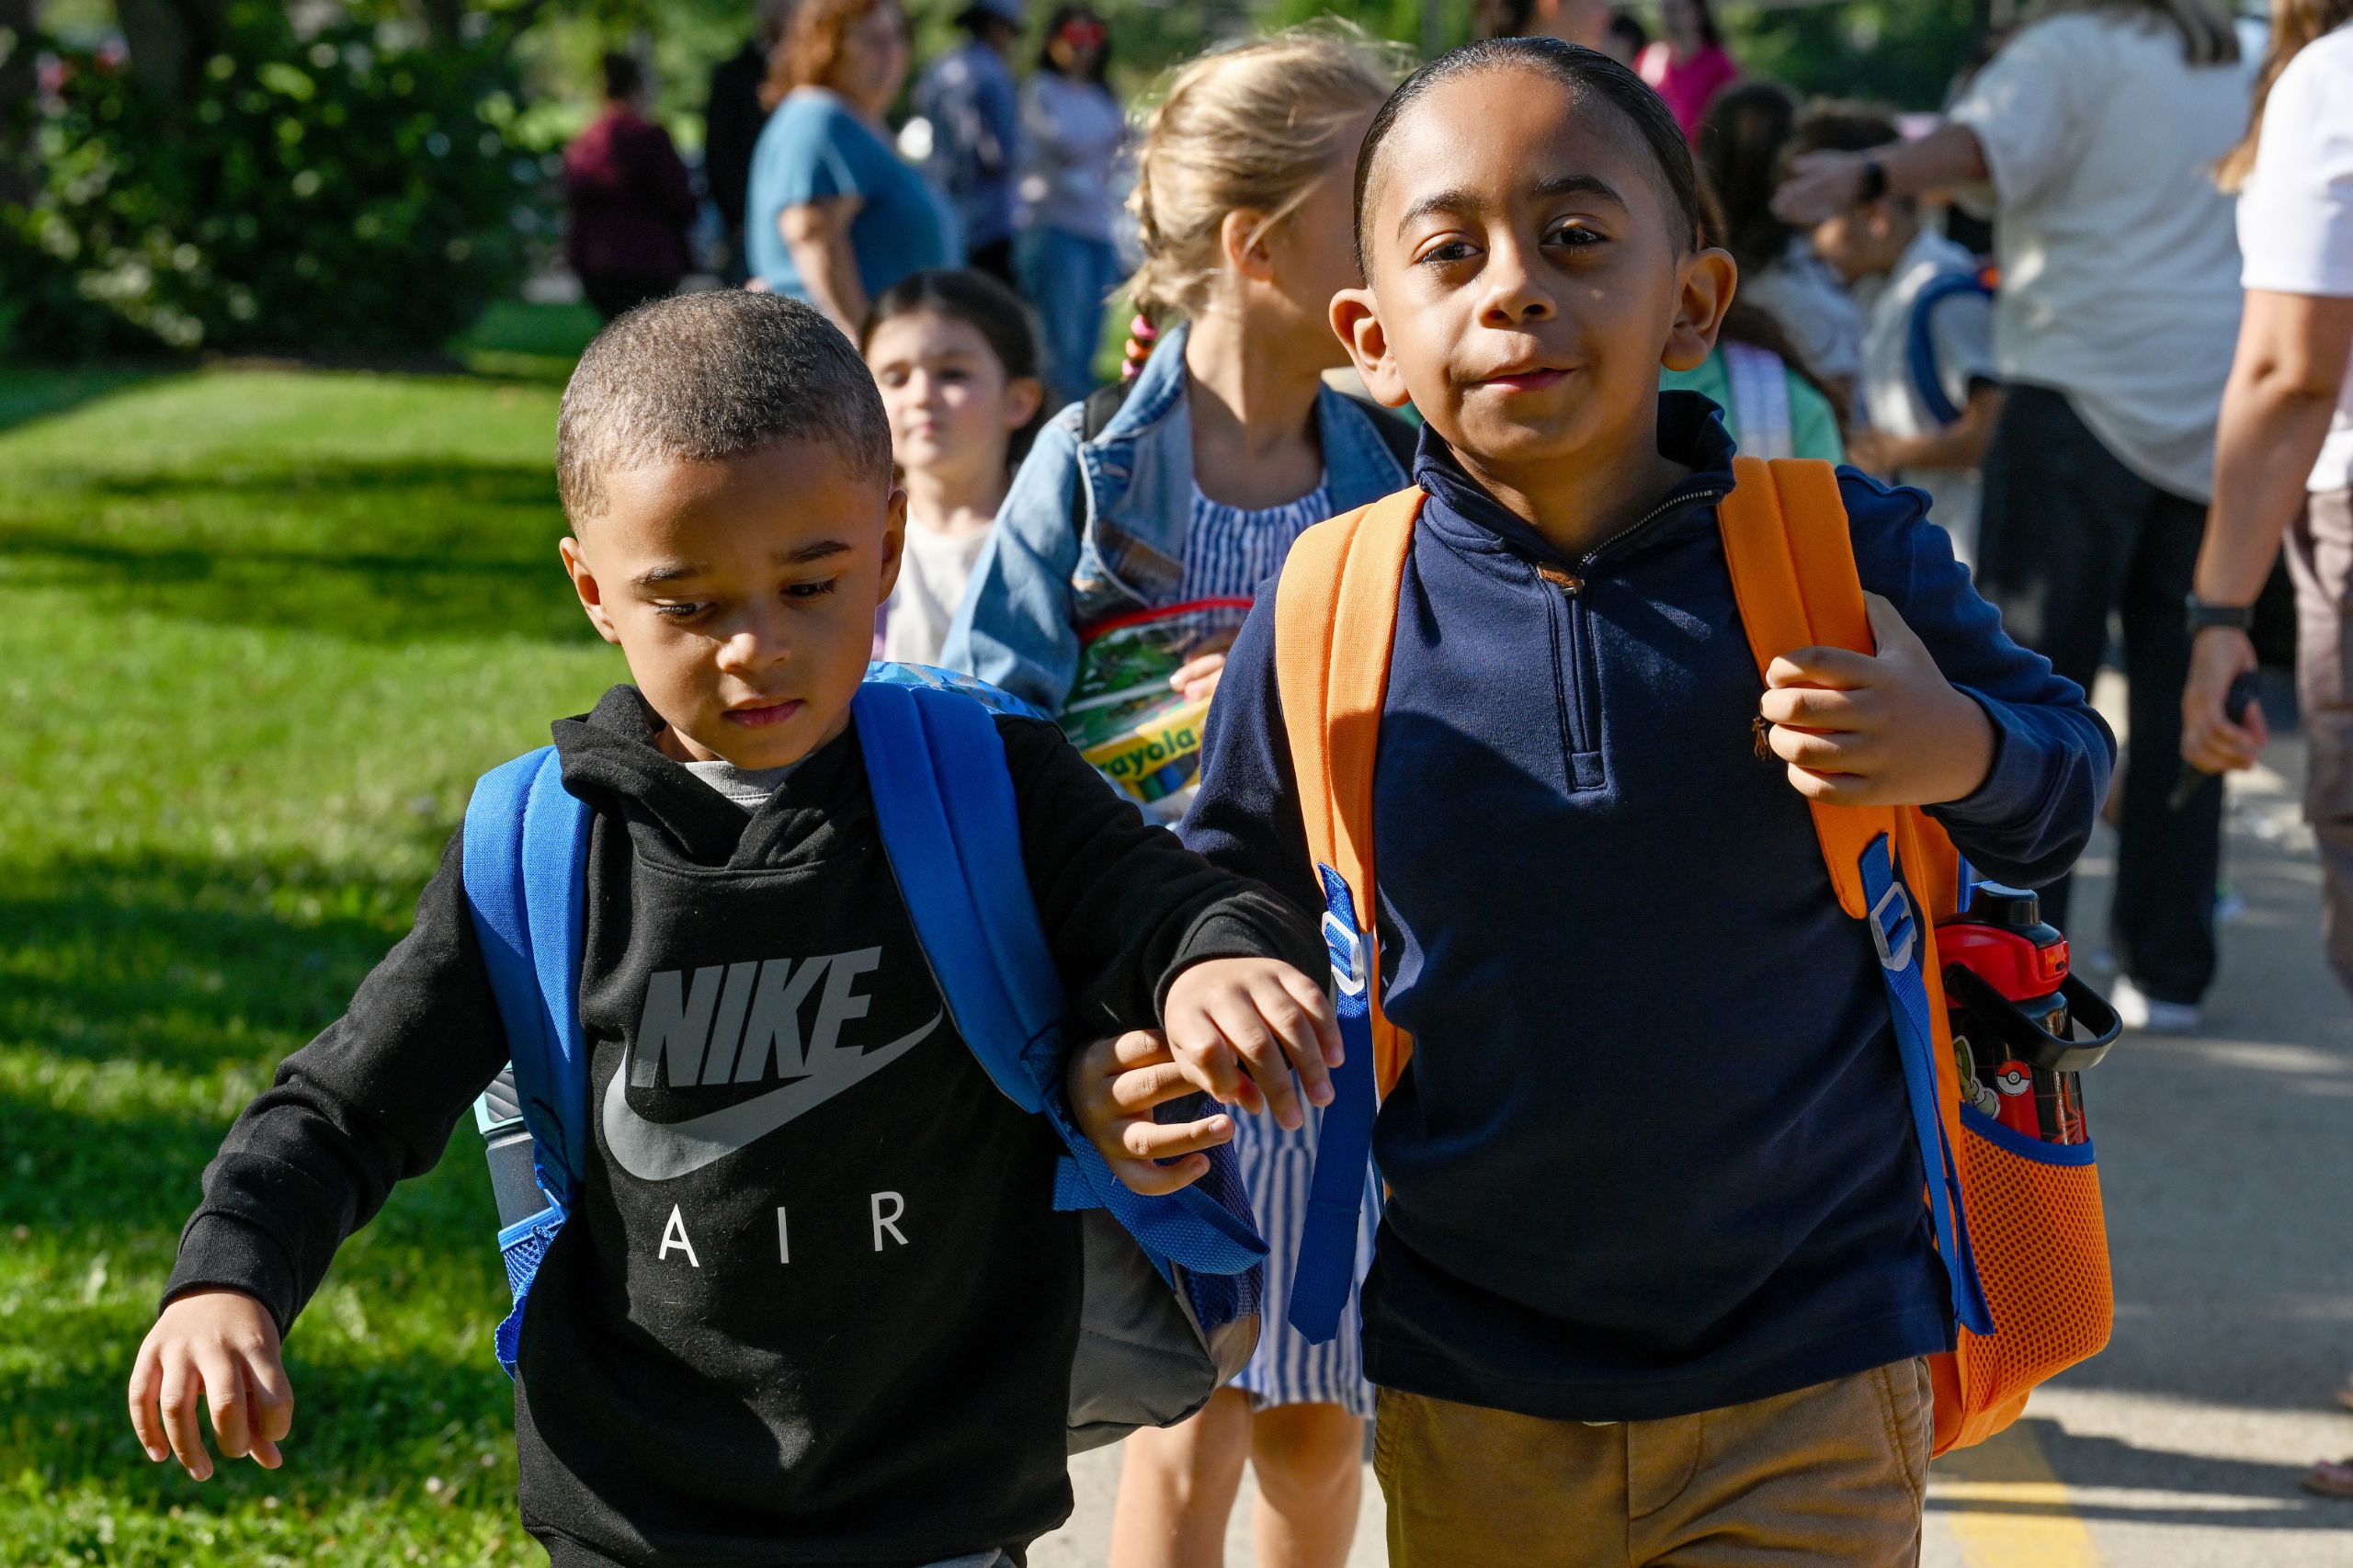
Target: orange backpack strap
[[1335, 621], [1792, 561], [1793, 576]]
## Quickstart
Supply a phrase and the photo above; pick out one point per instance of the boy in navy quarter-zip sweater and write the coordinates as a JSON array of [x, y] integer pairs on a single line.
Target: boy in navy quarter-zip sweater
[[1655, 1283]]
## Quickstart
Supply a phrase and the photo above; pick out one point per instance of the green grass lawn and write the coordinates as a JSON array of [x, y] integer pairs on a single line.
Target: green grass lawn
[[259, 632]]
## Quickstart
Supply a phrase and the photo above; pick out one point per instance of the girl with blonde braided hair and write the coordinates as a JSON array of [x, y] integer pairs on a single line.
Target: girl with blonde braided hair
[[1185, 487]]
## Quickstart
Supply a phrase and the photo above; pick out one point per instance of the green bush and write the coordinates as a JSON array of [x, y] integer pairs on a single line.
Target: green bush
[[313, 194]]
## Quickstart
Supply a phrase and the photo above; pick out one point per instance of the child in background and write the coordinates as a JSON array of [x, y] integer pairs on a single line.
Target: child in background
[[1772, 405], [954, 355], [1690, 65], [1929, 394], [892, 1387], [1744, 148], [1227, 446], [1655, 1280]]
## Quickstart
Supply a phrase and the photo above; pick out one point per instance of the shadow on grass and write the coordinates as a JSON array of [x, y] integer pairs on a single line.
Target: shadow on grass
[[515, 340], [445, 550], [30, 392], [142, 1001], [148, 998], [188, 964], [366, 1425]]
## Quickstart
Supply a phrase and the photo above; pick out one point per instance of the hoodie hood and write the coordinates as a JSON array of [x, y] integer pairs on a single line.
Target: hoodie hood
[[610, 761]]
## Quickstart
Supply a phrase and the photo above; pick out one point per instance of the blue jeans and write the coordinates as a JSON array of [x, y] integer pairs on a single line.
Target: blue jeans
[[1067, 278]]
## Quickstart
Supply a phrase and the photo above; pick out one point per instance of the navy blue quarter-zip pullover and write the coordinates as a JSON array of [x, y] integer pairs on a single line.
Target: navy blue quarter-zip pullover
[[1652, 1154]]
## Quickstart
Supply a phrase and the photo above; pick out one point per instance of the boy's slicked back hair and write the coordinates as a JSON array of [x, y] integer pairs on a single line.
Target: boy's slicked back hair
[[705, 376], [1590, 76]]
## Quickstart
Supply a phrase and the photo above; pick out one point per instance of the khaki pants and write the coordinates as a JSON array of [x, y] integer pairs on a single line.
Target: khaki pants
[[1828, 1475], [2320, 558]]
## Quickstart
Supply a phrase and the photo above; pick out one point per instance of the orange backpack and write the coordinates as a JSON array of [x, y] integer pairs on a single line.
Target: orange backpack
[[2018, 1223]]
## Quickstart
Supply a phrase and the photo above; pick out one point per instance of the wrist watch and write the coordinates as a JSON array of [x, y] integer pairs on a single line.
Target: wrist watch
[[1873, 184], [2204, 614]]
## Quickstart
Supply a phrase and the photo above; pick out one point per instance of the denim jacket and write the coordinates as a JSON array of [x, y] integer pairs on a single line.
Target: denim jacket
[[1040, 579]]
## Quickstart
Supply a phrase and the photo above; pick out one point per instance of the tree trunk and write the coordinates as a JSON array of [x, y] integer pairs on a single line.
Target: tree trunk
[[18, 81], [443, 19], [169, 41]]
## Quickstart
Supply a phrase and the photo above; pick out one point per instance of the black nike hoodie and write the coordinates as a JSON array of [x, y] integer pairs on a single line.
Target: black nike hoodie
[[814, 1305]]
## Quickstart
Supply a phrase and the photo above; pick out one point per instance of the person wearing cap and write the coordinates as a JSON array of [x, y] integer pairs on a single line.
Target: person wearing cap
[[968, 97]]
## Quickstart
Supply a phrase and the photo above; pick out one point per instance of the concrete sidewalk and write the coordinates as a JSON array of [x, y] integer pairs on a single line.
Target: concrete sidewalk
[[2224, 1161]]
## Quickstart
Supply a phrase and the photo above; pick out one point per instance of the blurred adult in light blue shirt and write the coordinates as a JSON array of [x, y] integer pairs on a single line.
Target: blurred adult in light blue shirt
[[836, 216]]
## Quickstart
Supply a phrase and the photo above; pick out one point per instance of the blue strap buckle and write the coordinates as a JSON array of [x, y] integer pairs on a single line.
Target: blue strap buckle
[[1345, 944], [1894, 930]]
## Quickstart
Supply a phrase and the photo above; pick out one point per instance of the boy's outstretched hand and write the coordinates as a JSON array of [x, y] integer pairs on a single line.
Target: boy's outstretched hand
[[223, 1345], [1239, 1027], [1114, 1086], [1884, 729]]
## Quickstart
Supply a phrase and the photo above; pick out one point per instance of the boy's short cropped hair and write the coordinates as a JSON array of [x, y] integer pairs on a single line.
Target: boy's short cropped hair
[[705, 376]]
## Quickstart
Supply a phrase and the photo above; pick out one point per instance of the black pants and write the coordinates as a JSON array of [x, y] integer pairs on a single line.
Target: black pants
[[995, 259], [616, 293], [2068, 535]]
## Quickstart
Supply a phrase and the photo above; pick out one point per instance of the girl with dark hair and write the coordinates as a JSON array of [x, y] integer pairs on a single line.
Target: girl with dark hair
[[957, 362], [1690, 65], [1072, 135], [1773, 404], [1744, 144]]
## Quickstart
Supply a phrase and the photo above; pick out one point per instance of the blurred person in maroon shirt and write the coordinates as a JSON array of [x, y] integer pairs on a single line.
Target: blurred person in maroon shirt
[[630, 200]]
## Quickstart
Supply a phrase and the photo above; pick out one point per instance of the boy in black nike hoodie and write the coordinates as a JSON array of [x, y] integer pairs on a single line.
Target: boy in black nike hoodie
[[841, 1334]]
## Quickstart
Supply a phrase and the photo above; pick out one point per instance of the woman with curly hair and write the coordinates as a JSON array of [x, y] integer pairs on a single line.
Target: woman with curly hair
[[835, 215]]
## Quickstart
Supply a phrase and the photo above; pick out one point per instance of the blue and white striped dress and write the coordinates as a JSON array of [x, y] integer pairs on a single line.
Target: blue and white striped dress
[[1231, 554]]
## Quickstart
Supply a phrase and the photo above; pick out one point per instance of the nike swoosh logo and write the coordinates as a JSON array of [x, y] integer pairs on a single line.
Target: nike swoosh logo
[[662, 1150]]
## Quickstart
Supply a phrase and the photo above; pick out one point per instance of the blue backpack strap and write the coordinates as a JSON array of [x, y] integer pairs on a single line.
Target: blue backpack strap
[[525, 865], [1920, 341], [1326, 1271], [957, 855], [1895, 932]]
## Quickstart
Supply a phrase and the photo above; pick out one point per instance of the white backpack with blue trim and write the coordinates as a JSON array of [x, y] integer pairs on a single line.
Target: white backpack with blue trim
[[1172, 1283]]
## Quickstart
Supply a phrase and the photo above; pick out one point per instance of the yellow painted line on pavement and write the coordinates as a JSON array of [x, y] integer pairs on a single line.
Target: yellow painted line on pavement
[[2020, 1518]]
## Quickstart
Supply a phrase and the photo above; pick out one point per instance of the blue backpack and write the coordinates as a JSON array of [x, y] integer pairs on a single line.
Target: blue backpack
[[1171, 1284], [1920, 340]]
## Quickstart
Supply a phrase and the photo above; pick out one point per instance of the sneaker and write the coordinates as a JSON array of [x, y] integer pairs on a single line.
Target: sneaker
[[2143, 1012]]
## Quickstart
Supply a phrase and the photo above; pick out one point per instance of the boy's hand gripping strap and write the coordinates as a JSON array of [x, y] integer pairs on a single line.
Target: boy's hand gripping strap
[[1792, 556], [1335, 621], [944, 800]]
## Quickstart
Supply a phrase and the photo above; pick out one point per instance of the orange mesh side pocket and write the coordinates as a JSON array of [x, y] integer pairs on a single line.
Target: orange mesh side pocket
[[2036, 1225]]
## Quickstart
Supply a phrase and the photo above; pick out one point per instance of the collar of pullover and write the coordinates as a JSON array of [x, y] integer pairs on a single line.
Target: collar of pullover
[[610, 761], [1690, 431]]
